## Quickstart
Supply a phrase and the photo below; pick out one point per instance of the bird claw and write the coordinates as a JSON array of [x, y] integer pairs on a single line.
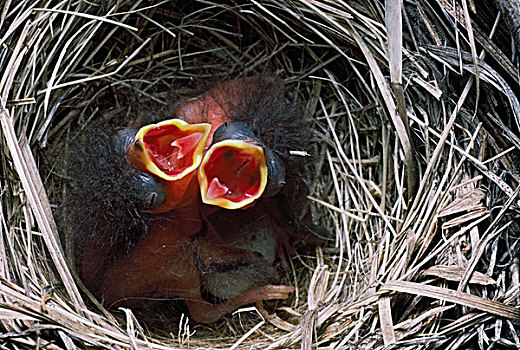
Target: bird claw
[[269, 292], [204, 312]]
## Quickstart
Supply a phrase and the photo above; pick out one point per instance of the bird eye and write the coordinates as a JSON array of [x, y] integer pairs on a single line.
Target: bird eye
[[150, 192], [152, 200]]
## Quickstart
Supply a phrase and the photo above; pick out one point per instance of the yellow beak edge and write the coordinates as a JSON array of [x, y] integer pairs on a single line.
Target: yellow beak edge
[[233, 174], [170, 149]]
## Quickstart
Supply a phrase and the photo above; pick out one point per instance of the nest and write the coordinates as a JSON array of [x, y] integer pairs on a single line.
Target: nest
[[414, 160]]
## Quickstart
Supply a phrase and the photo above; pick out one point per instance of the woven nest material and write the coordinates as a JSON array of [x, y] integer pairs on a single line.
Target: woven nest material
[[414, 160]]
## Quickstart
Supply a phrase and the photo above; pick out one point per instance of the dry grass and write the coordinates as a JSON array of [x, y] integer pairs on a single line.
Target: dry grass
[[415, 158]]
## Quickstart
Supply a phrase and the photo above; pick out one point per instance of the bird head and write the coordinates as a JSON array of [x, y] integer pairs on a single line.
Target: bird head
[[171, 150], [239, 168], [151, 191]]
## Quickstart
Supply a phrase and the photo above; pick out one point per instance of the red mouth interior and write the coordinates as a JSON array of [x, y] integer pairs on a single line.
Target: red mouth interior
[[233, 174], [170, 148]]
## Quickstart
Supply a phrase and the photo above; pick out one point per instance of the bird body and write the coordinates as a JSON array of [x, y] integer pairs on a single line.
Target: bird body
[[171, 244]]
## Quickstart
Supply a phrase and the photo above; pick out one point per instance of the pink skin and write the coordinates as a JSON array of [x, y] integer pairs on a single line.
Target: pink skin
[[219, 104], [164, 263]]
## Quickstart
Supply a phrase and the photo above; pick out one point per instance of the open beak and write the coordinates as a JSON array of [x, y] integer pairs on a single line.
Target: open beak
[[233, 174], [171, 150]]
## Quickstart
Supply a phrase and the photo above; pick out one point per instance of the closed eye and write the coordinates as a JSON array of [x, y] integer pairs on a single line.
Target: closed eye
[[152, 200]]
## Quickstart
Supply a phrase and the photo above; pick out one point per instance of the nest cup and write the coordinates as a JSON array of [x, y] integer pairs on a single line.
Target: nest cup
[[403, 175]]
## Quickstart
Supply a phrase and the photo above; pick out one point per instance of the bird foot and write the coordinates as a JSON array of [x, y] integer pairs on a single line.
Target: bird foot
[[269, 292], [205, 312]]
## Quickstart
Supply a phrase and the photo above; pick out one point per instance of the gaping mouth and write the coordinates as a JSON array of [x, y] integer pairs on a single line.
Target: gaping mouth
[[233, 174], [170, 149]]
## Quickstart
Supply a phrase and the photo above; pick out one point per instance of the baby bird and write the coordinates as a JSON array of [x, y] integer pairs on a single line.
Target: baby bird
[[140, 231]]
